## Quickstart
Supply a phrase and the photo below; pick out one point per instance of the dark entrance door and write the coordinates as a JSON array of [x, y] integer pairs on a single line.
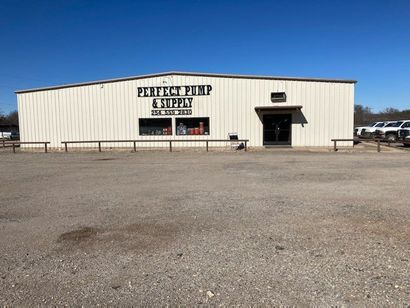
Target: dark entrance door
[[276, 129]]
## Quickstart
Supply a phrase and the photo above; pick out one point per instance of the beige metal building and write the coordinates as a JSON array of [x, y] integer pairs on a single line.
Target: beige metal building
[[269, 111]]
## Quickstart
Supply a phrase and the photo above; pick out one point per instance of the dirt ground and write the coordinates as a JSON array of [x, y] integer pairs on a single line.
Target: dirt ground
[[157, 228]]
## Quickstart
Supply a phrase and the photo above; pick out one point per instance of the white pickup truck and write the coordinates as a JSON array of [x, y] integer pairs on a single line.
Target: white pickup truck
[[390, 131], [403, 136], [5, 135], [358, 130], [368, 132]]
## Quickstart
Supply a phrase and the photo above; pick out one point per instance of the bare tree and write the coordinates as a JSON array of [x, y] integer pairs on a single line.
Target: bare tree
[[390, 110], [364, 115], [10, 119], [13, 118]]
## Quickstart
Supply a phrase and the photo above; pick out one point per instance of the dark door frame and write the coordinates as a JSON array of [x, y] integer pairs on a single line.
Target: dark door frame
[[277, 143]]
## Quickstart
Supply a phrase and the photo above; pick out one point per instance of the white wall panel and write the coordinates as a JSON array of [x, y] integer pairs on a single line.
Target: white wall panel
[[111, 110]]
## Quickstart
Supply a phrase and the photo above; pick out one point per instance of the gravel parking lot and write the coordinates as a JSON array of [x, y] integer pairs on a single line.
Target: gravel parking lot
[[280, 227]]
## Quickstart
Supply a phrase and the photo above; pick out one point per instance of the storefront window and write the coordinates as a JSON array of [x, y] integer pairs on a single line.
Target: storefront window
[[192, 126], [155, 126]]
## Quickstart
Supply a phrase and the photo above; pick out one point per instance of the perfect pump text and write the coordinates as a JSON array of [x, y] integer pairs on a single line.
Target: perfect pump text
[[173, 100]]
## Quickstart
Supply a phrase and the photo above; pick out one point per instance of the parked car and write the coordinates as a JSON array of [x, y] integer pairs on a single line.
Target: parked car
[[5, 135], [389, 132], [358, 129], [368, 132], [403, 136]]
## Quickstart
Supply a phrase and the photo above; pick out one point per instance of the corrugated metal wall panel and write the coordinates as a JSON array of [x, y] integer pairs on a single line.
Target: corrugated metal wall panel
[[112, 110]]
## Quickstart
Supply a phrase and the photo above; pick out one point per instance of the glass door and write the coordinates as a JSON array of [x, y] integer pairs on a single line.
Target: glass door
[[277, 129]]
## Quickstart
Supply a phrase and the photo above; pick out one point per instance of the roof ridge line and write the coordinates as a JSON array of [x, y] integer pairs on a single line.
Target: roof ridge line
[[135, 77]]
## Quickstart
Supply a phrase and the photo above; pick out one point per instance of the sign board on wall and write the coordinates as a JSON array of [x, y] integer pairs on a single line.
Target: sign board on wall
[[173, 100]]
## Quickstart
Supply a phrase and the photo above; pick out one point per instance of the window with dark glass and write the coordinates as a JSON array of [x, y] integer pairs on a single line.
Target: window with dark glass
[[150, 127], [278, 97], [405, 125], [192, 126]]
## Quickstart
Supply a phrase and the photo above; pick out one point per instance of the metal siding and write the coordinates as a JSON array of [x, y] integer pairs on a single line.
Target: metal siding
[[112, 110]]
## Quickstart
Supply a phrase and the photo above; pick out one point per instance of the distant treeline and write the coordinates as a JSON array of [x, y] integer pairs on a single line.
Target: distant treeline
[[364, 115], [11, 118]]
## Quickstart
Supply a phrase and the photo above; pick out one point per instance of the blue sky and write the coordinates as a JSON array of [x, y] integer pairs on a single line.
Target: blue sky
[[46, 43]]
